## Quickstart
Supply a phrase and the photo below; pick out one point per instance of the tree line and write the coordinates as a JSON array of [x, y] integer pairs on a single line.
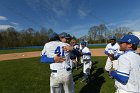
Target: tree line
[[11, 38], [101, 33]]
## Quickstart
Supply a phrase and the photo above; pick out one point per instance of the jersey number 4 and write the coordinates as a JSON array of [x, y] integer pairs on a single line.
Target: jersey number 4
[[59, 51]]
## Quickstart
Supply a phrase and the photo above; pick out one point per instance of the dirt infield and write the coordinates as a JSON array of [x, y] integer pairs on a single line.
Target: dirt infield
[[94, 52]]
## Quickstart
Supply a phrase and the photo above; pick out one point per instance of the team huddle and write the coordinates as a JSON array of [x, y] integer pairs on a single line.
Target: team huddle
[[123, 63]]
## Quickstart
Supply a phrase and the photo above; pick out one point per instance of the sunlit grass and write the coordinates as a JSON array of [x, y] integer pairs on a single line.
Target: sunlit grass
[[19, 50], [31, 76]]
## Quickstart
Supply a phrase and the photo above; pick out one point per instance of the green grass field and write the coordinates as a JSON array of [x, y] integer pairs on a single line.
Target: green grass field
[[19, 50], [31, 76]]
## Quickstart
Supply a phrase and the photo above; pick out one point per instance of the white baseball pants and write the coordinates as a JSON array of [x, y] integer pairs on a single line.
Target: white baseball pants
[[62, 78]]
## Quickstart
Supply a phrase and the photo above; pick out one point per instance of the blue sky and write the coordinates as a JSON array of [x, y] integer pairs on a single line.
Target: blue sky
[[72, 16]]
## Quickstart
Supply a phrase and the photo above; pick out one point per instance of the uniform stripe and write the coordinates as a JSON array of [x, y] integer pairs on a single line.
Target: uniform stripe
[[122, 73], [119, 77], [106, 52], [45, 59], [87, 53]]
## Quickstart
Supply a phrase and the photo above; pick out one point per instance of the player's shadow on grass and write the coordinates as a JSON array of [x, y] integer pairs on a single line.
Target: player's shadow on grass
[[81, 74], [95, 84], [76, 77]]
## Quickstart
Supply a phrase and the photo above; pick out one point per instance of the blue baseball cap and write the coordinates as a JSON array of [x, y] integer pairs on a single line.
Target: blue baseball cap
[[64, 35], [113, 37], [132, 39]]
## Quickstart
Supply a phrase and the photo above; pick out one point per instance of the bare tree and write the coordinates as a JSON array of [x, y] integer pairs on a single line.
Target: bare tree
[[119, 32]]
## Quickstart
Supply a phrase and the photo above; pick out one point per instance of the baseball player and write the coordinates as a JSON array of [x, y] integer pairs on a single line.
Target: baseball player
[[56, 54], [127, 74], [80, 49], [112, 50], [65, 38], [87, 63], [75, 53]]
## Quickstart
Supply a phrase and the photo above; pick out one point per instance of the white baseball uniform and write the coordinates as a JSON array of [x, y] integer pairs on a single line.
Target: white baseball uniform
[[87, 63], [112, 49], [127, 75], [81, 59], [61, 72]]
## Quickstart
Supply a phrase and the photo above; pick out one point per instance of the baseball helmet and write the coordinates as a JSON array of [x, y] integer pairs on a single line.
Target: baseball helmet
[[53, 36], [132, 39], [64, 35]]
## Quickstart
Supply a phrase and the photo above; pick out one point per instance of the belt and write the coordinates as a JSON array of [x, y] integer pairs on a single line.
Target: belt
[[55, 71]]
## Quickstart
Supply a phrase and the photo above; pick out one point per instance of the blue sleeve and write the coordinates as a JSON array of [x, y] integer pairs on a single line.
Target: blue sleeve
[[87, 53], [120, 76], [45, 59], [117, 56], [106, 52]]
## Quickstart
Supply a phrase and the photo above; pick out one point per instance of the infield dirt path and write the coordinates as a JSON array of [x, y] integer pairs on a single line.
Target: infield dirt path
[[94, 52]]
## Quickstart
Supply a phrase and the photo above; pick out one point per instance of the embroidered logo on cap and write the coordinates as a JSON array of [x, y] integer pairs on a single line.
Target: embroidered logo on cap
[[129, 40]]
